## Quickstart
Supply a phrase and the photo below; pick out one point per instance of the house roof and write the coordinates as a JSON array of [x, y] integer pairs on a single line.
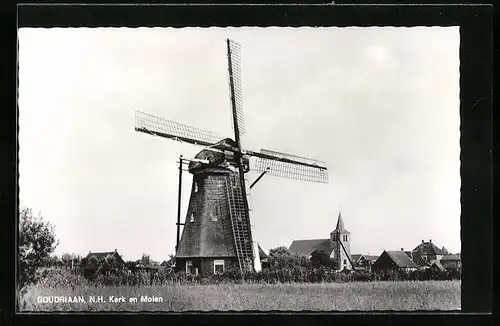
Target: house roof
[[306, 247], [417, 258], [438, 265], [450, 257], [428, 248], [370, 257], [355, 257], [401, 259], [102, 255], [262, 253]]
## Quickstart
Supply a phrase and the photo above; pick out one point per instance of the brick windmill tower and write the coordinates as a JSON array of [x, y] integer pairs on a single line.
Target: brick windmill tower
[[217, 233]]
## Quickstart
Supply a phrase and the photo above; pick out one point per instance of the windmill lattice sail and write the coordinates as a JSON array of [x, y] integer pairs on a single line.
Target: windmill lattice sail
[[291, 166], [157, 126], [236, 90]]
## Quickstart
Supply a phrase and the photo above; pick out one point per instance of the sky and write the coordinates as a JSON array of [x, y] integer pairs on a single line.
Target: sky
[[379, 105]]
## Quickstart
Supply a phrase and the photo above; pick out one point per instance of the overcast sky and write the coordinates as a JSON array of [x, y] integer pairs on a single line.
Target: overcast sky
[[379, 105]]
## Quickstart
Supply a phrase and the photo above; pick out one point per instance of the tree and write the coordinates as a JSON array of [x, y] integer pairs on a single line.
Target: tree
[[282, 257], [321, 258], [37, 240], [446, 252], [145, 260], [70, 260]]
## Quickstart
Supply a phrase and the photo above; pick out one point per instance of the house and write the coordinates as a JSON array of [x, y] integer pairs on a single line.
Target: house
[[394, 260], [438, 266], [451, 261], [96, 262], [363, 262], [429, 251], [338, 246], [307, 247], [219, 266], [417, 259], [264, 258]]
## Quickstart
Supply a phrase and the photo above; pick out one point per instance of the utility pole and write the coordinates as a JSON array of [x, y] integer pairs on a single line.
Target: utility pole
[[179, 203]]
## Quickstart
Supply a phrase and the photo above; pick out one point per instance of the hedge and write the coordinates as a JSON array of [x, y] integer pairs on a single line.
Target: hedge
[[271, 276]]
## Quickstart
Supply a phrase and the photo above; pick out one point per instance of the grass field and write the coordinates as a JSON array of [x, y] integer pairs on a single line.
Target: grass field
[[426, 295]]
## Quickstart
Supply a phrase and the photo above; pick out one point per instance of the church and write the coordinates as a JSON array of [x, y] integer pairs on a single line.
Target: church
[[338, 246]]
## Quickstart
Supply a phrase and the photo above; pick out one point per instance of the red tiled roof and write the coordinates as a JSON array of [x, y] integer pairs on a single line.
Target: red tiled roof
[[306, 247]]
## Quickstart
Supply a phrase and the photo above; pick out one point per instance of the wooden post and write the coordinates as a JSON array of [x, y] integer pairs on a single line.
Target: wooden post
[[260, 176], [179, 204], [345, 251]]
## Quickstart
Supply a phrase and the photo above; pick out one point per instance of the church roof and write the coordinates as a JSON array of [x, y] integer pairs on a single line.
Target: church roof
[[306, 247]]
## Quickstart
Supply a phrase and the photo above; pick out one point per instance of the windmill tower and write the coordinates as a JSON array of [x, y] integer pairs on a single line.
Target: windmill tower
[[340, 241], [217, 232]]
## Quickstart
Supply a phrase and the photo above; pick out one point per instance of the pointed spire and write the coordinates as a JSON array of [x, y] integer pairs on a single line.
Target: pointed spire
[[340, 223]]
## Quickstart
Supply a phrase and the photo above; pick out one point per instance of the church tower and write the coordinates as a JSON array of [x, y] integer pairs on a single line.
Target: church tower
[[340, 236]]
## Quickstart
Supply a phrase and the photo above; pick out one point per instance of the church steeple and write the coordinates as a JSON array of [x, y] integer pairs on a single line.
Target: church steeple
[[340, 243], [340, 224]]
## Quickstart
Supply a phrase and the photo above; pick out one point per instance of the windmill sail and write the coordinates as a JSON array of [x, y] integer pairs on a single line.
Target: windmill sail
[[157, 126], [235, 85], [290, 166], [238, 200]]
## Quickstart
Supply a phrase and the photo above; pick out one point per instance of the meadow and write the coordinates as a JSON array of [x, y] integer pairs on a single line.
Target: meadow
[[378, 295]]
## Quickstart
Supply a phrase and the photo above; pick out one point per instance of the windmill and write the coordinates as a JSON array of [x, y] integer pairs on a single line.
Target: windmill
[[217, 232]]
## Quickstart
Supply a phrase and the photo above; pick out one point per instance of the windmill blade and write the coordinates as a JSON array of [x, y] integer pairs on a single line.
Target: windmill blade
[[235, 86], [157, 126], [290, 166]]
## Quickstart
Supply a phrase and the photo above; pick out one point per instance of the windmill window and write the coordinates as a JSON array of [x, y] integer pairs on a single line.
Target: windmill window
[[218, 266], [189, 267], [195, 186], [214, 211], [191, 219]]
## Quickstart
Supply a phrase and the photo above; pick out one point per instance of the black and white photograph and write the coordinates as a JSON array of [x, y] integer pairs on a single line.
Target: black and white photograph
[[239, 168]]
